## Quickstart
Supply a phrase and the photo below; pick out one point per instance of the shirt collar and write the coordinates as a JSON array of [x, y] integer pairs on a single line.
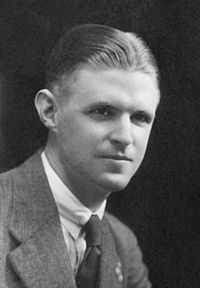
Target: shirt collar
[[73, 213]]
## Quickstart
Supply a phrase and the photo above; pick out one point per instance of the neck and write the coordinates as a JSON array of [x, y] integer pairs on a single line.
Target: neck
[[87, 192]]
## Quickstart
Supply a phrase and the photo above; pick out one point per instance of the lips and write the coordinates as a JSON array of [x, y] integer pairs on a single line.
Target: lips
[[117, 157]]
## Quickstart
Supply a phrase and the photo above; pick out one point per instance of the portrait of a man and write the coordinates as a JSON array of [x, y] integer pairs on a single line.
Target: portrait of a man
[[98, 104]]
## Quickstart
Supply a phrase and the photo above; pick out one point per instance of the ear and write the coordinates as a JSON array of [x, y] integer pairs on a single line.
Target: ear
[[46, 107]]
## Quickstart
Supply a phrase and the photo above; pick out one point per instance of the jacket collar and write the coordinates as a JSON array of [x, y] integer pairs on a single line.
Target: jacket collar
[[40, 258]]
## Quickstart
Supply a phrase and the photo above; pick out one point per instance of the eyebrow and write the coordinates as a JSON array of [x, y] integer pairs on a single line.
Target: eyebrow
[[100, 103]]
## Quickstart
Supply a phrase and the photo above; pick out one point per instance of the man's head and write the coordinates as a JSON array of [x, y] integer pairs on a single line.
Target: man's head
[[100, 47], [99, 104]]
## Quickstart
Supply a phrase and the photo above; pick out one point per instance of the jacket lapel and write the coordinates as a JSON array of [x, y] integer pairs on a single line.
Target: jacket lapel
[[110, 267], [40, 257]]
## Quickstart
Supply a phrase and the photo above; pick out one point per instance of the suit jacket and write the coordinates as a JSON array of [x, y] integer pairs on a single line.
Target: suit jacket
[[33, 253]]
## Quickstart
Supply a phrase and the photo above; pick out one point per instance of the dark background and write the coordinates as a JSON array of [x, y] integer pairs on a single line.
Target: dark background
[[162, 203]]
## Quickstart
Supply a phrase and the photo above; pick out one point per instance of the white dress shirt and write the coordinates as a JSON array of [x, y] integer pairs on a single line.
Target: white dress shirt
[[73, 214]]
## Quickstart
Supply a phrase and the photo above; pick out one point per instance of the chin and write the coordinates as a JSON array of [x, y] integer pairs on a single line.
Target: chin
[[114, 183]]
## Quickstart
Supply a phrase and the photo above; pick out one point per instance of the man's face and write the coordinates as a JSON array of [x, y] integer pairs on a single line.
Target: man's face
[[104, 126]]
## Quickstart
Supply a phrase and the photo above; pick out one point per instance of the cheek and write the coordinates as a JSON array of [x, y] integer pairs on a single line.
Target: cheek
[[142, 139], [77, 140], [81, 135]]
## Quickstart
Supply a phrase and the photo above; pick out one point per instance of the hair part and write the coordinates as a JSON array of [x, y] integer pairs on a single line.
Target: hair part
[[100, 47]]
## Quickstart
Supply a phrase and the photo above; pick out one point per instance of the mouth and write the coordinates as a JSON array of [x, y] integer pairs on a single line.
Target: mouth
[[117, 157]]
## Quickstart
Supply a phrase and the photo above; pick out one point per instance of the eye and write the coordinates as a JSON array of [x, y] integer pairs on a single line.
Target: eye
[[102, 112], [141, 117]]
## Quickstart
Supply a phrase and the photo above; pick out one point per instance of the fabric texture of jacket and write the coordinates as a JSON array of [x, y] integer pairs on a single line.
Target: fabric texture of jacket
[[33, 253]]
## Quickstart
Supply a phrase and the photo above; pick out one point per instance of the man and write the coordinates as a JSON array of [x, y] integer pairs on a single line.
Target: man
[[99, 106]]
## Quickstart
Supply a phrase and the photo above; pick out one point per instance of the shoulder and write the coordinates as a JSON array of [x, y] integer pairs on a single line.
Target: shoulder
[[15, 178], [9, 183], [18, 173], [125, 240], [121, 232], [10, 178], [130, 253]]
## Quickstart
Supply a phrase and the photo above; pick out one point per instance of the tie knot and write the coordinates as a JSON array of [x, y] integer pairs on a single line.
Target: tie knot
[[93, 231]]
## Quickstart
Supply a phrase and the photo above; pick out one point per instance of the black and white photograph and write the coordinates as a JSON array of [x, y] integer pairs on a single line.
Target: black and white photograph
[[99, 144]]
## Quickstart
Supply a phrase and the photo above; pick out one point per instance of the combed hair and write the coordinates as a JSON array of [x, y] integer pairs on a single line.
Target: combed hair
[[100, 47]]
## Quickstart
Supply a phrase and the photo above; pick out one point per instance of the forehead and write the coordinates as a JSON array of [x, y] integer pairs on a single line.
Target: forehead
[[87, 85]]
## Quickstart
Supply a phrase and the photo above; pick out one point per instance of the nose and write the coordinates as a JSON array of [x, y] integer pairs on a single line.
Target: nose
[[121, 134]]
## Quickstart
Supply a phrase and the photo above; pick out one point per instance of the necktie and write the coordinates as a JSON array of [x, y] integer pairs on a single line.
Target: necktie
[[87, 275]]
